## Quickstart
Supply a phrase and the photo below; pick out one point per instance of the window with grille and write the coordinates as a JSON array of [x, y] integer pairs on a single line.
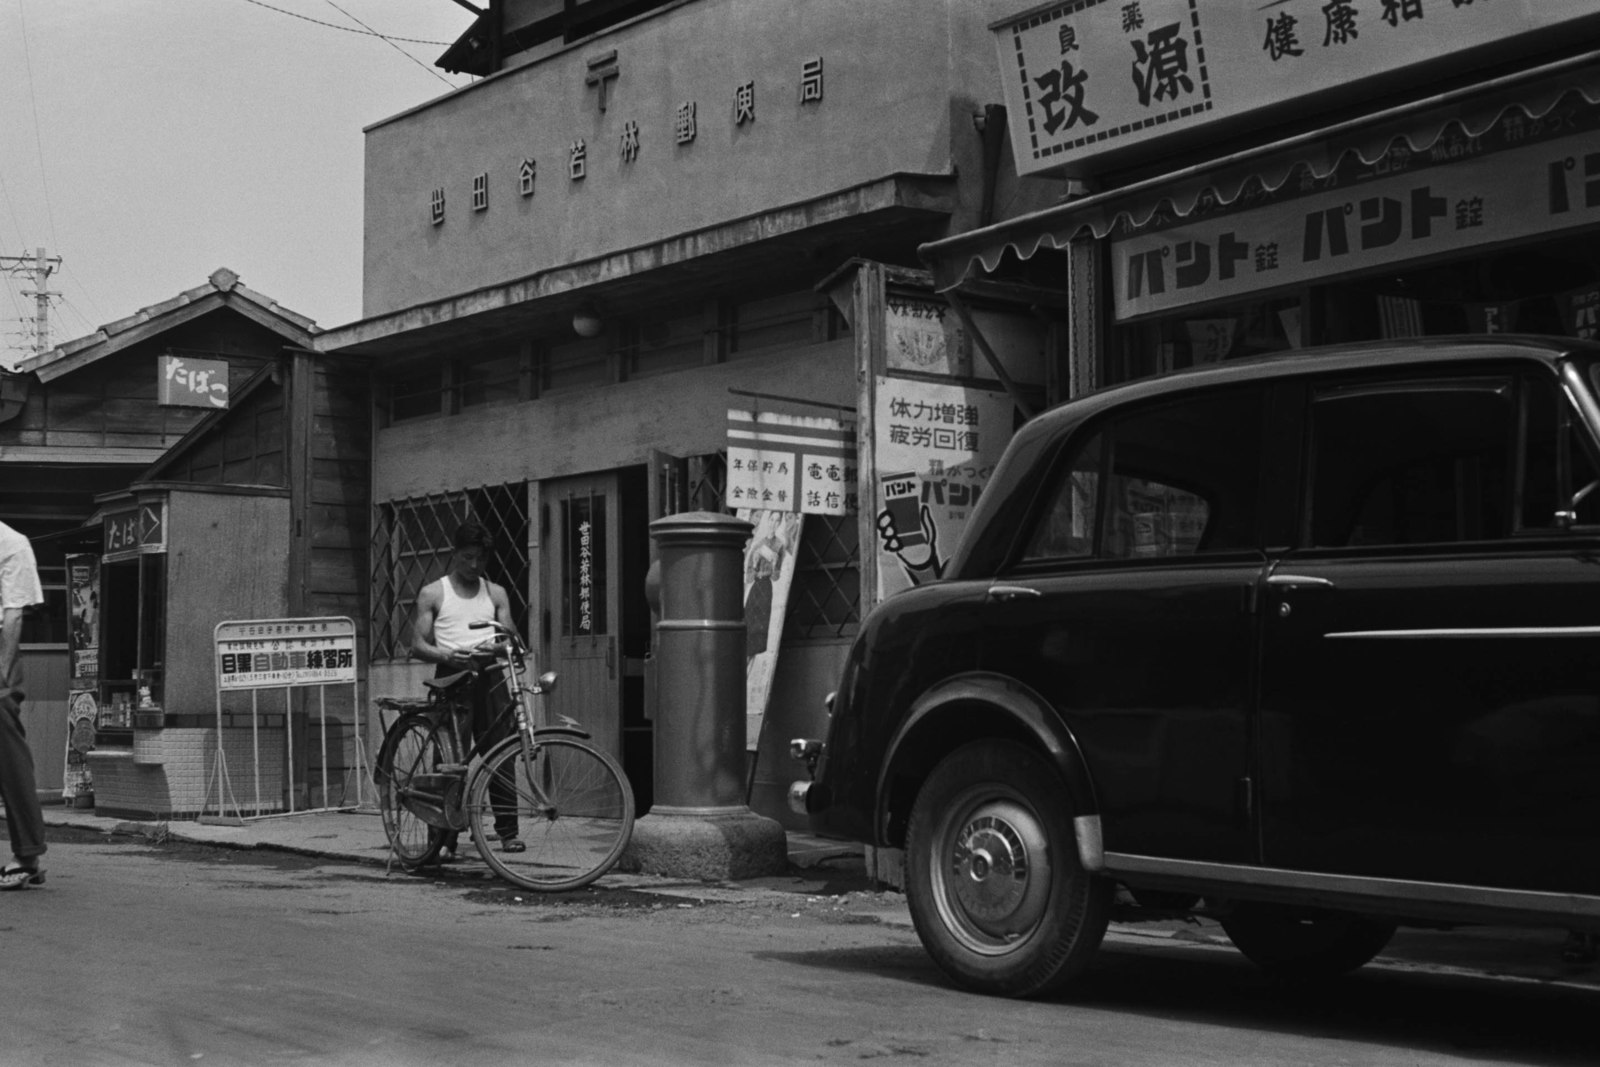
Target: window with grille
[[825, 600], [412, 542]]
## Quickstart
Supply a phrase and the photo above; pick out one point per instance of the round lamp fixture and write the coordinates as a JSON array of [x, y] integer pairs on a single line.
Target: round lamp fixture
[[586, 321]]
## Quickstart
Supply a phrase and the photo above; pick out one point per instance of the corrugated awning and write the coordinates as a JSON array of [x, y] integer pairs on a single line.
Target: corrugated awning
[[1420, 124]]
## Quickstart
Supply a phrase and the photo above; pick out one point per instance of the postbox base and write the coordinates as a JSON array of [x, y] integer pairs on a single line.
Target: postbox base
[[708, 847]]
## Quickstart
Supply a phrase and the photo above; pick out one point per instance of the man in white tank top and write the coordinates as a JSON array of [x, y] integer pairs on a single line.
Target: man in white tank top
[[441, 633]]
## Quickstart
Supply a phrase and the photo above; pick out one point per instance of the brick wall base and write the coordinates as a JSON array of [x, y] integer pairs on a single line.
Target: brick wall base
[[172, 774]]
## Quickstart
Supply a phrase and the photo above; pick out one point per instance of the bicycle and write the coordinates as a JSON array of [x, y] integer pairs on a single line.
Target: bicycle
[[572, 801]]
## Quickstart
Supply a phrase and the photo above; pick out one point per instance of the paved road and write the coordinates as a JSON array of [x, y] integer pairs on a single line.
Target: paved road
[[140, 953]]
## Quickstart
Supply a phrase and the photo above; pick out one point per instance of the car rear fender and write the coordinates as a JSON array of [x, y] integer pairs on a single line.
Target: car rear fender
[[971, 707]]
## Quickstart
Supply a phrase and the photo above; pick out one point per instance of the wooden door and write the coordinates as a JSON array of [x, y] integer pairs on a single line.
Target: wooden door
[[583, 603]]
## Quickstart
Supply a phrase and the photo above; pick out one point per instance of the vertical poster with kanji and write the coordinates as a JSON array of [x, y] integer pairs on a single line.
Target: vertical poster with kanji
[[784, 462], [83, 653], [935, 445]]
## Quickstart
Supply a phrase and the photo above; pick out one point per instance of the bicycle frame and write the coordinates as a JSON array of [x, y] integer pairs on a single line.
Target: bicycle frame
[[551, 777], [438, 794]]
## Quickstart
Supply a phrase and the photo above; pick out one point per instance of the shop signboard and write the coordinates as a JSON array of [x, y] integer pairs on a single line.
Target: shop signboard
[[269, 653], [134, 532], [935, 445], [255, 655], [584, 538], [1084, 79], [796, 463], [1511, 195], [191, 383]]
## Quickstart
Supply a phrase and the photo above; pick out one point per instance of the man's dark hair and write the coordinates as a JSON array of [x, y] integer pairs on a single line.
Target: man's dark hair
[[472, 534]]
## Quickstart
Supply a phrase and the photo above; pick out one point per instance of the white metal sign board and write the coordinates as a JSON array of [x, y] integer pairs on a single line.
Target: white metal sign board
[[268, 653]]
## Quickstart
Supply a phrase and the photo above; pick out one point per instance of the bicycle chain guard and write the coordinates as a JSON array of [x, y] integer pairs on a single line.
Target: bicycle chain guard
[[440, 799]]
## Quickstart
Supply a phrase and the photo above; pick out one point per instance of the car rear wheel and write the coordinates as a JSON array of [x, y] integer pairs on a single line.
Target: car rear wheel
[[993, 881], [1305, 946]]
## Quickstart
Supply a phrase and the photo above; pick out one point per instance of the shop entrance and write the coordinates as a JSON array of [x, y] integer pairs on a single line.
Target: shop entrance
[[595, 615]]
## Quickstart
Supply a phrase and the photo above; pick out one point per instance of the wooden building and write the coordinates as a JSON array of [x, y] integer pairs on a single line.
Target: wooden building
[[189, 464], [641, 218]]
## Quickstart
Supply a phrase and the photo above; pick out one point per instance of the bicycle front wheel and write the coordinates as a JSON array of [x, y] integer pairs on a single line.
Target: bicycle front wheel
[[566, 805], [411, 747]]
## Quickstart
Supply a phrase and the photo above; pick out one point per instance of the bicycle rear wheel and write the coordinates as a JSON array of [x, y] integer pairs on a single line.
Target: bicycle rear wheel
[[411, 747], [571, 840]]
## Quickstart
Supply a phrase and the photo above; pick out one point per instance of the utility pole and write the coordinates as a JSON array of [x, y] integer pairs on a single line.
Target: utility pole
[[41, 268]]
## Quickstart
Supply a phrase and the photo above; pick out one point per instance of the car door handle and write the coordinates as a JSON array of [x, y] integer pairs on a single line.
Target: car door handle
[[1293, 580], [1012, 592]]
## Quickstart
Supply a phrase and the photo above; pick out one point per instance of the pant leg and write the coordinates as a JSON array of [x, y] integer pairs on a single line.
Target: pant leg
[[490, 700], [24, 817]]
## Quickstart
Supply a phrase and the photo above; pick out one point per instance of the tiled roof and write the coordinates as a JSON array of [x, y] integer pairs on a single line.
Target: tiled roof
[[223, 282]]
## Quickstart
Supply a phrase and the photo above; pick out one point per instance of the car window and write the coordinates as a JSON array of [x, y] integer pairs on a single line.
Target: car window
[[1421, 462], [1557, 462], [1178, 479]]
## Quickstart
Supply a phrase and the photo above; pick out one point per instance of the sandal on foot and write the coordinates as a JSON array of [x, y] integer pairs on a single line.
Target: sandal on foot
[[20, 876], [512, 844]]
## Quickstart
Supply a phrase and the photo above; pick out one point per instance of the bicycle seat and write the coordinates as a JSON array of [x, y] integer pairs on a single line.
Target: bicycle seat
[[403, 703], [448, 682]]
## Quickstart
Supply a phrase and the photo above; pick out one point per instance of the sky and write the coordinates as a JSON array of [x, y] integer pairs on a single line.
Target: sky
[[147, 143]]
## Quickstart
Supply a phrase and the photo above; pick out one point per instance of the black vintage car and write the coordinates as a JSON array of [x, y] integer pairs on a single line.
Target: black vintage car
[[1310, 644]]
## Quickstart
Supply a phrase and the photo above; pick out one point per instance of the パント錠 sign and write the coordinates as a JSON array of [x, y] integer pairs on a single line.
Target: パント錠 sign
[[1501, 196]]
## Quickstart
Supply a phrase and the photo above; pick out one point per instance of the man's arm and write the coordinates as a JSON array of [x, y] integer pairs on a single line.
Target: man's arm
[[422, 619], [502, 607]]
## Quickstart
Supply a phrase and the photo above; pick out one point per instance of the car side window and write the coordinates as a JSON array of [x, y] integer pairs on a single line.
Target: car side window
[[1555, 463], [1178, 479], [1420, 462]]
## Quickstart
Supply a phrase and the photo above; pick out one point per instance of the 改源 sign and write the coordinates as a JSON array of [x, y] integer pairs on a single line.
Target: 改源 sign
[[1090, 77]]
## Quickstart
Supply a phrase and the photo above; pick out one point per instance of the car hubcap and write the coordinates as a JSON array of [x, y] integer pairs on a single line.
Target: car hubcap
[[996, 874]]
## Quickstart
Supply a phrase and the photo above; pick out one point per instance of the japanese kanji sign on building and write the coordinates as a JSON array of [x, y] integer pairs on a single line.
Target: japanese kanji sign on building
[[191, 383], [935, 446], [783, 462], [268, 653], [1420, 211], [137, 531], [1089, 77]]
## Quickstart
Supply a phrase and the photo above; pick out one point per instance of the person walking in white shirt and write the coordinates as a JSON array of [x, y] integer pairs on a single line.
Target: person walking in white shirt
[[19, 590]]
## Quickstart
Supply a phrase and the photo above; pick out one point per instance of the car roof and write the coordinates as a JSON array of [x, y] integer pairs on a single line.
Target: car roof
[[1034, 438], [1303, 362]]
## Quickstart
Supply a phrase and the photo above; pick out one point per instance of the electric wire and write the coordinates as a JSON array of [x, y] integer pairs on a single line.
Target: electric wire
[[388, 41], [38, 140], [367, 31], [101, 315]]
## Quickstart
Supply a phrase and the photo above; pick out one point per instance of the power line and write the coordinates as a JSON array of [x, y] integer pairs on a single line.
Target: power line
[[367, 31], [86, 296], [389, 42], [44, 182]]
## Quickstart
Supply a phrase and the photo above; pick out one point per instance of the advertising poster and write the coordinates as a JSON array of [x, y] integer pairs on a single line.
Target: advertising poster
[[935, 446], [768, 575], [798, 463], [83, 634], [83, 652]]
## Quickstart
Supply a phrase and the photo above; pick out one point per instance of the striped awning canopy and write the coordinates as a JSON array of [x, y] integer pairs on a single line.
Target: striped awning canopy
[[1418, 125]]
